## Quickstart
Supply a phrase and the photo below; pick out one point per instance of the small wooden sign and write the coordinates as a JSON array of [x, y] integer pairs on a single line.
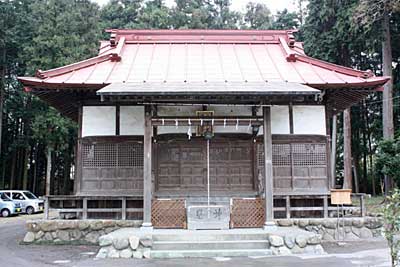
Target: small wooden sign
[[207, 126], [340, 196]]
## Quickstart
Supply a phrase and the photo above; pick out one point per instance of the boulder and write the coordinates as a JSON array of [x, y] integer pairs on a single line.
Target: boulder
[[356, 231], [283, 251], [328, 237], [105, 240], [29, 237], [120, 243], [75, 234], [330, 224], [63, 235], [83, 225], [315, 222], [134, 242], [314, 240], [65, 224], [96, 225], [365, 233], [358, 222], [146, 241], [318, 249], [275, 240], [113, 253], [285, 222], [48, 236], [373, 223], [48, 226], [290, 241], [301, 241], [39, 235], [126, 253], [103, 252], [147, 253], [137, 254], [297, 250], [303, 223], [92, 237], [351, 237], [32, 226]]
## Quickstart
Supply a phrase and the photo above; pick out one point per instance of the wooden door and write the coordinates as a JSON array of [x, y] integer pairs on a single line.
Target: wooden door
[[181, 165]]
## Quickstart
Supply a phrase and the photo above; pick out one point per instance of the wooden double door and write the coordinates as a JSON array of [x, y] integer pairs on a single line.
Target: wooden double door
[[181, 165]]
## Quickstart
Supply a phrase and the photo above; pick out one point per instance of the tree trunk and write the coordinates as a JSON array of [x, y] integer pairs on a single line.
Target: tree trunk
[[48, 171], [2, 87], [387, 109], [347, 180]]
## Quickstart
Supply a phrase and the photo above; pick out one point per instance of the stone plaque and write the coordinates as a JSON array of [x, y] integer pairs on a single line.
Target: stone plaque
[[208, 217]]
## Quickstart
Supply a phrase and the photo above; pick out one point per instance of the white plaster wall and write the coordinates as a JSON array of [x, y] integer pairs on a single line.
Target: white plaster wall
[[279, 120], [176, 111], [309, 120], [131, 120], [98, 120], [231, 111]]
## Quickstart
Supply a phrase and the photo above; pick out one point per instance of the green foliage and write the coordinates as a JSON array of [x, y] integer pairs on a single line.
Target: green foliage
[[257, 16], [388, 158], [391, 230], [285, 20]]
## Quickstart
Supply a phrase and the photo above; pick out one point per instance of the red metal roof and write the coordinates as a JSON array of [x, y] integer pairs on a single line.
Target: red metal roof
[[174, 56]]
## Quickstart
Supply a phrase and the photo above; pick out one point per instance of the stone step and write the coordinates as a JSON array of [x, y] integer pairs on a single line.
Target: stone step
[[209, 237], [163, 254], [210, 245]]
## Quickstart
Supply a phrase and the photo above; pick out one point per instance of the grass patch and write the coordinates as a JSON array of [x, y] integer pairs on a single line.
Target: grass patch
[[372, 204], [60, 243]]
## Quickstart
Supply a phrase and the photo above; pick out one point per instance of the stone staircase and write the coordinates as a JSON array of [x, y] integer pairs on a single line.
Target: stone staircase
[[169, 243], [209, 243]]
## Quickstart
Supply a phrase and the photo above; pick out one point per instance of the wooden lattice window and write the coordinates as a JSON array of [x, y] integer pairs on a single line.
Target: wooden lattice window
[[281, 155], [309, 154], [112, 155], [168, 213], [247, 213], [303, 154]]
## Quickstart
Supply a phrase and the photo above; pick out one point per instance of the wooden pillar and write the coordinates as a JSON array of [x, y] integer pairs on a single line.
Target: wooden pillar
[[269, 197], [333, 152], [348, 177], [147, 187], [48, 171]]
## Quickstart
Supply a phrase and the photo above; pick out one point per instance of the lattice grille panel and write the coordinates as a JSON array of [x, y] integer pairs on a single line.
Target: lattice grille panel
[[247, 213], [309, 154], [304, 154], [168, 213], [112, 155], [281, 155]]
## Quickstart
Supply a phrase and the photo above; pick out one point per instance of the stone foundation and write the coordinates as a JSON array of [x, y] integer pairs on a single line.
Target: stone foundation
[[134, 243], [72, 231], [354, 228]]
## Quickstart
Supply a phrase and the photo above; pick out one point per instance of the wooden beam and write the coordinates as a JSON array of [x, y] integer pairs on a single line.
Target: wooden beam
[[268, 188], [147, 187]]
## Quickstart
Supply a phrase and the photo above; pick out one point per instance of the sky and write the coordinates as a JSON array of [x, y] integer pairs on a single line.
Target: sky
[[239, 5]]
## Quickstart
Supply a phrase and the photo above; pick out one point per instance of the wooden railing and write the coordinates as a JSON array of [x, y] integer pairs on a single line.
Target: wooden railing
[[81, 209], [325, 208]]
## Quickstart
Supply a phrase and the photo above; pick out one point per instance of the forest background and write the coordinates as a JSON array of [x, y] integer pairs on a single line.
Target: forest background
[[51, 33]]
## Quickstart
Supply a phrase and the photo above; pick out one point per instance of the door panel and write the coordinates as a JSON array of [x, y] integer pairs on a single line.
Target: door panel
[[231, 166]]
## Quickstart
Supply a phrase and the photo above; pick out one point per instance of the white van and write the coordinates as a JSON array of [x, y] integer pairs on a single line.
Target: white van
[[28, 201]]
